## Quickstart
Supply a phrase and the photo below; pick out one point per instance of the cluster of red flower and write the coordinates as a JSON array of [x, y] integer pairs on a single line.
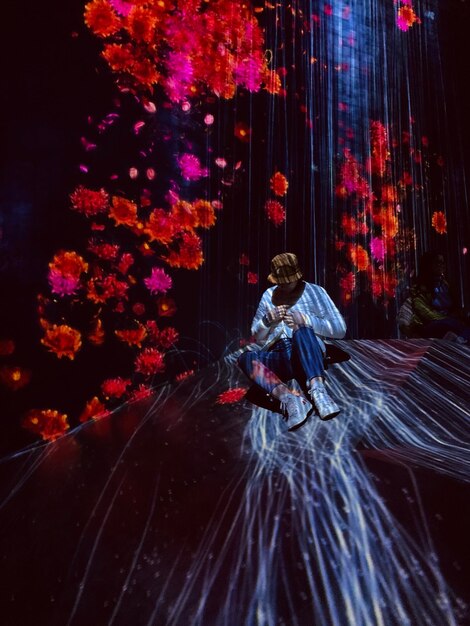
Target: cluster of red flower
[[186, 49]]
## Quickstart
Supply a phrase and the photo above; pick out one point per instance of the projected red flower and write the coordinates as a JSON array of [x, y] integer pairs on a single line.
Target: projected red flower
[[101, 18], [279, 184], [149, 362], [94, 409], [439, 222], [231, 395], [63, 340], [47, 423], [275, 212], [115, 387]]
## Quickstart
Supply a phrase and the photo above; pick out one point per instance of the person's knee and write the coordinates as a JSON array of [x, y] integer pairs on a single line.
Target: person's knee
[[245, 361]]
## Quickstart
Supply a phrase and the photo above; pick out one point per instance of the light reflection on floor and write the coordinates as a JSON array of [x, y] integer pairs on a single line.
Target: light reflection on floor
[[179, 511]]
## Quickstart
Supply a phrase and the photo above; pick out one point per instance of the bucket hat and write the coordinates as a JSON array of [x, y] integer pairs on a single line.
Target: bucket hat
[[284, 269]]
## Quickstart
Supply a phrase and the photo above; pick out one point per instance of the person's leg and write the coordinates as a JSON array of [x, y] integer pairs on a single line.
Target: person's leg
[[308, 366], [307, 355], [270, 370]]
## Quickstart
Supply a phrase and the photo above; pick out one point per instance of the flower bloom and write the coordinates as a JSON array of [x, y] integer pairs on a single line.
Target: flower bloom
[[132, 336], [189, 255], [118, 56], [160, 227], [275, 212], [63, 285], [388, 221], [349, 225], [252, 278], [379, 151], [123, 211], [105, 251], [149, 362], [377, 248], [183, 215], [142, 391], [439, 222], [101, 290], [231, 395], [14, 377], [97, 334], [406, 18], [167, 337], [115, 387], [388, 194], [94, 409], [68, 264], [47, 423], [140, 24], [158, 281], [190, 167], [166, 307], [88, 201], [125, 262], [358, 257], [183, 375], [62, 340], [279, 184], [205, 213], [272, 82], [101, 18], [242, 132], [348, 282]]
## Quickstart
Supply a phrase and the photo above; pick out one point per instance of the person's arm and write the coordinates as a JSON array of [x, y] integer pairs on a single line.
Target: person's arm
[[265, 318], [423, 308], [320, 313]]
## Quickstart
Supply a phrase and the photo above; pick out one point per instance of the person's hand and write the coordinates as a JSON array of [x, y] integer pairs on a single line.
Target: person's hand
[[275, 315], [295, 318]]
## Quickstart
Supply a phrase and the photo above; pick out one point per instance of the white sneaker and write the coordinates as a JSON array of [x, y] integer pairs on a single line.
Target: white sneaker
[[326, 407], [298, 410]]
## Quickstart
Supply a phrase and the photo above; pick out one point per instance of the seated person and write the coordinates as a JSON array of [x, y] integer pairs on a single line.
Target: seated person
[[432, 306], [290, 323]]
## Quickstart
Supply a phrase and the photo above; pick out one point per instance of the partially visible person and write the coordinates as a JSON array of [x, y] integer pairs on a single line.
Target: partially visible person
[[292, 319], [434, 313]]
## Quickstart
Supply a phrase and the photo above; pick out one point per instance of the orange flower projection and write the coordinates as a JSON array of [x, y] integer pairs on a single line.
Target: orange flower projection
[[14, 377], [279, 184], [94, 409], [68, 264], [123, 211], [272, 80], [205, 213], [63, 340], [101, 18], [133, 337], [439, 222], [184, 216], [161, 227], [166, 307], [358, 257], [47, 423]]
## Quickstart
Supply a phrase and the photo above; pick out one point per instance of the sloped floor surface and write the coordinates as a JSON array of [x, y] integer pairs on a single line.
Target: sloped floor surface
[[176, 510]]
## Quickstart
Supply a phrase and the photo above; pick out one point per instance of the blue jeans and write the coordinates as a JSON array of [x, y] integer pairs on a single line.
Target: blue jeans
[[300, 357]]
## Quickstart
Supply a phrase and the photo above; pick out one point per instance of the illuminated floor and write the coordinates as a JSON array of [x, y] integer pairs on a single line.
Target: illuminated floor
[[176, 510]]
